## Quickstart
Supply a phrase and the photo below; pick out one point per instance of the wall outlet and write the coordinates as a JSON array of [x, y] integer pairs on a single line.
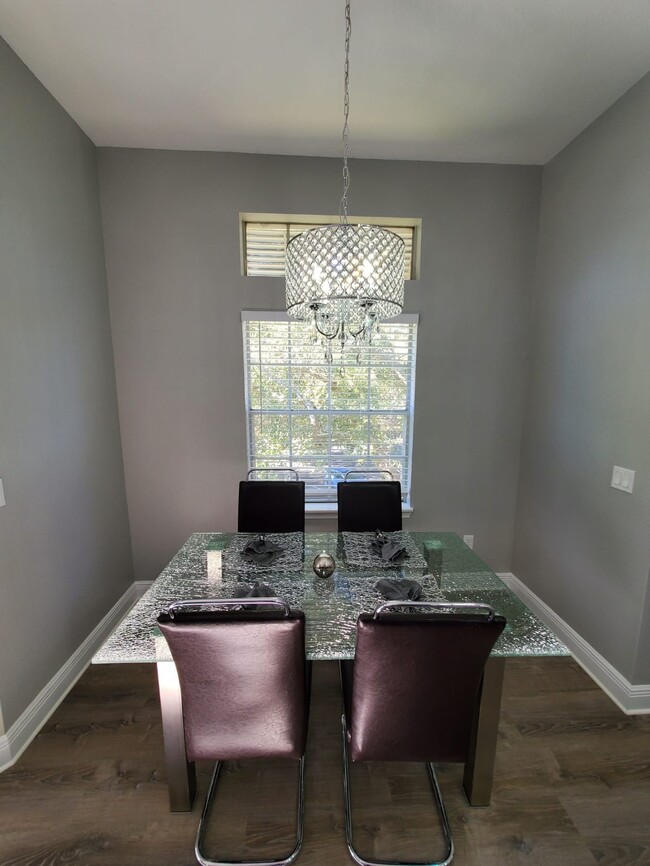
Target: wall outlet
[[623, 479], [469, 541]]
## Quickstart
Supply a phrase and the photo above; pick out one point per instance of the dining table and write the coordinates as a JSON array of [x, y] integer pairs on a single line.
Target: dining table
[[213, 565]]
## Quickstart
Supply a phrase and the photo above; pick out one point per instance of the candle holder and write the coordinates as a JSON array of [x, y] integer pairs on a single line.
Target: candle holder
[[433, 555], [214, 557]]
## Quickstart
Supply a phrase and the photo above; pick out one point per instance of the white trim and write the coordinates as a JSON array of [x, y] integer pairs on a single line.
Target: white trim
[[410, 415], [5, 753], [281, 316], [632, 699], [27, 726], [329, 510], [329, 219], [414, 223], [141, 586]]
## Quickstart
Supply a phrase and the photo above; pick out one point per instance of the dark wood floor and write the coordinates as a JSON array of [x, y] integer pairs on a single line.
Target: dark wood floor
[[572, 785]]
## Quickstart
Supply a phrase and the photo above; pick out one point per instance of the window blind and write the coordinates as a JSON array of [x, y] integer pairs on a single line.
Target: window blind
[[324, 420], [266, 242]]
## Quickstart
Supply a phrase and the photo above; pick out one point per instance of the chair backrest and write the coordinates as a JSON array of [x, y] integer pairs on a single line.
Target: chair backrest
[[271, 506], [364, 506], [415, 684], [242, 680]]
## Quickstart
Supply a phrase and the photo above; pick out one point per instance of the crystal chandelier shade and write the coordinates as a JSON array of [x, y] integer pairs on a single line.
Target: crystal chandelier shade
[[345, 278]]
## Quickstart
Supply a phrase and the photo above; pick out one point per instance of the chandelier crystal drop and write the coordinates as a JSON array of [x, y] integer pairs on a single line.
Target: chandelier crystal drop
[[345, 278]]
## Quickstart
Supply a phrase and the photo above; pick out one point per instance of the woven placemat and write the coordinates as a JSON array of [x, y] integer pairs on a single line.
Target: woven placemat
[[291, 558], [358, 550]]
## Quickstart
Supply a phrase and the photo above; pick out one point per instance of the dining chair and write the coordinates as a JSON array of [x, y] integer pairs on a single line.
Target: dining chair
[[271, 506], [244, 689], [412, 691], [364, 506]]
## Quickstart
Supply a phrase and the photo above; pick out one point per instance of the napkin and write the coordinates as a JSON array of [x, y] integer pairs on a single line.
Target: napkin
[[399, 589], [261, 551], [390, 551], [257, 590]]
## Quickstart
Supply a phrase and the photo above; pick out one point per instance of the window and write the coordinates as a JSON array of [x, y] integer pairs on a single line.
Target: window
[[265, 237], [324, 420]]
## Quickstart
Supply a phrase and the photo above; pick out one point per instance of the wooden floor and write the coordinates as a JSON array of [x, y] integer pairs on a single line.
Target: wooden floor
[[572, 785]]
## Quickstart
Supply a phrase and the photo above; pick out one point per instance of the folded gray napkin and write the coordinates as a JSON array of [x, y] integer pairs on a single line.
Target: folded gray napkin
[[257, 590], [399, 589], [261, 551], [390, 551]]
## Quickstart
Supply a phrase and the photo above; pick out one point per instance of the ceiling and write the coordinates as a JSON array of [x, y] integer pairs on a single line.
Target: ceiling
[[505, 81]]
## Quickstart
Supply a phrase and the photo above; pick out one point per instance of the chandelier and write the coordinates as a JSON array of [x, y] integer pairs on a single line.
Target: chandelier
[[344, 278]]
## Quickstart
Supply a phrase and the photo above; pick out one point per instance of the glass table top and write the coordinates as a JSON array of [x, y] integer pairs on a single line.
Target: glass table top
[[332, 605]]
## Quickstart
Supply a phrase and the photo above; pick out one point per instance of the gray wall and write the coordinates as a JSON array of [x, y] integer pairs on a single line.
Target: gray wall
[[64, 543], [582, 546], [172, 247]]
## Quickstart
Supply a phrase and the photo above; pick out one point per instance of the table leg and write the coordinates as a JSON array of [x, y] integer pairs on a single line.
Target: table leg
[[181, 774], [479, 769]]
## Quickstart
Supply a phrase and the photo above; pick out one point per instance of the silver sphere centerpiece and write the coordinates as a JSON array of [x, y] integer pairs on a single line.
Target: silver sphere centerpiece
[[324, 565]]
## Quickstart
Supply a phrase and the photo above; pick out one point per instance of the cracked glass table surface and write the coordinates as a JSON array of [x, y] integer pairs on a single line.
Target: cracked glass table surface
[[332, 605]]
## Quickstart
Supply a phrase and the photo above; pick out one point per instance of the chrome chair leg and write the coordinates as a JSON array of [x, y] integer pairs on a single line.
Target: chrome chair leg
[[300, 820], [435, 787], [446, 829]]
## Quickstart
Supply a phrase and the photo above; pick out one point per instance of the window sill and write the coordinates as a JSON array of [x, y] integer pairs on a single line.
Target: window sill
[[330, 510]]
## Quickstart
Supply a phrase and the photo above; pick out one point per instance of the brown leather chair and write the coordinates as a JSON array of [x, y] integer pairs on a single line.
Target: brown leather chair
[[271, 506], [244, 688], [411, 692], [364, 506]]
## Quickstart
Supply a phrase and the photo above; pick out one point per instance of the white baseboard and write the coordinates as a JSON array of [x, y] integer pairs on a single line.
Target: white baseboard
[[632, 699], [25, 728], [141, 586], [5, 752]]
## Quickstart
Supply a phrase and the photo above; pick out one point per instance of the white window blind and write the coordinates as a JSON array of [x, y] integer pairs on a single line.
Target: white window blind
[[265, 244], [324, 420]]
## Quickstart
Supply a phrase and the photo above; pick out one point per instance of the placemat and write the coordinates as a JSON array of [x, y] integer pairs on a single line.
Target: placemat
[[358, 550], [291, 558]]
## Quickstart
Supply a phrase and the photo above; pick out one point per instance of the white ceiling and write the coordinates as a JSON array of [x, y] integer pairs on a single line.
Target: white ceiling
[[508, 81]]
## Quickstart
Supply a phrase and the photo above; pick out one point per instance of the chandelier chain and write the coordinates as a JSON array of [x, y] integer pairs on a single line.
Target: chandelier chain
[[343, 208], [344, 278]]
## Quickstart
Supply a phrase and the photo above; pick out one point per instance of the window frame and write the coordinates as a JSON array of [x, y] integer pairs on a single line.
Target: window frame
[[326, 508], [310, 220]]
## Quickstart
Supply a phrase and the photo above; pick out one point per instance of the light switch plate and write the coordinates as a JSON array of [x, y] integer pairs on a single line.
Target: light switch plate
[[623, 479], [469, 541], [2, 494]]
